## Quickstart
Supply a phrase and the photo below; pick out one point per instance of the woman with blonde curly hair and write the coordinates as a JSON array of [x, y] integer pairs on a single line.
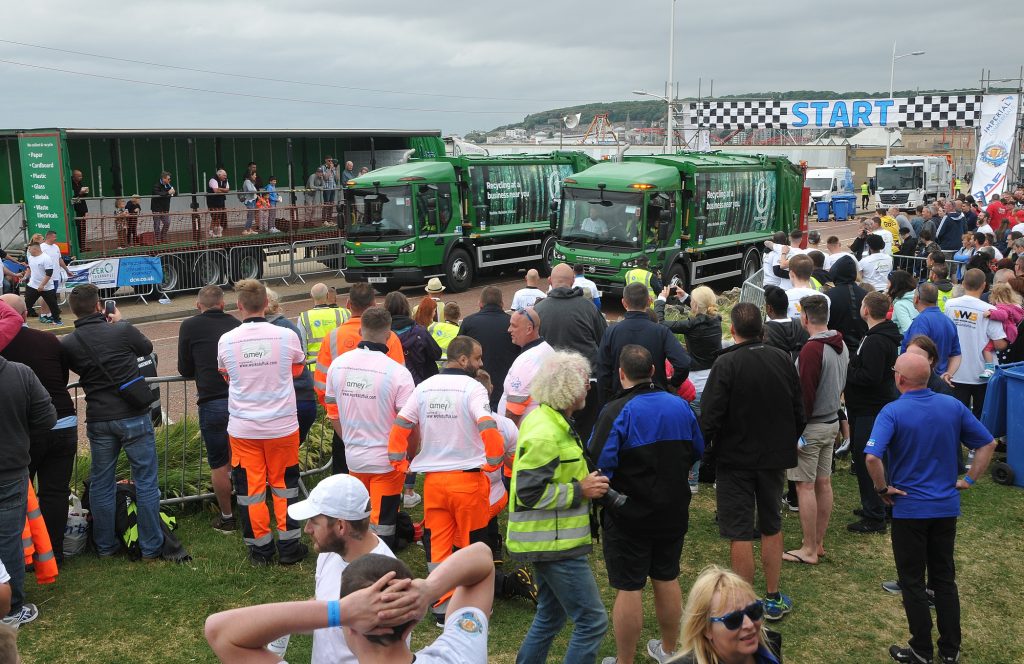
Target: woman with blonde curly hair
[[723, 622], [549, 513]]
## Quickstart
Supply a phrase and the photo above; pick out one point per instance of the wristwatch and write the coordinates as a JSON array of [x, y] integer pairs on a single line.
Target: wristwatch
[[884, 490]]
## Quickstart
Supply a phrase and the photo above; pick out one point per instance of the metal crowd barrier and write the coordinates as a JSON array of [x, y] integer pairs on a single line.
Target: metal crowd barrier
[[184, 474], [752, 289]]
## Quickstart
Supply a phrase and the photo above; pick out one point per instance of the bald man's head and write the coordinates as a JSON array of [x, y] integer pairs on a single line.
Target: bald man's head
[[562, 276], [319, 293], [532, 278], [912, 372], [15, 303]]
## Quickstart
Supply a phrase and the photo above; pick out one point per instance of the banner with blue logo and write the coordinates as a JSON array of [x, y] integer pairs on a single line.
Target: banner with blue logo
[[998, 122], [117, 272]]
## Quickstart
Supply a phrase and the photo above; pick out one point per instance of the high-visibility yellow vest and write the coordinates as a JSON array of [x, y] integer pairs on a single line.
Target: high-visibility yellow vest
[[317, 323], [639, 275], [443, 334], [865, 190]]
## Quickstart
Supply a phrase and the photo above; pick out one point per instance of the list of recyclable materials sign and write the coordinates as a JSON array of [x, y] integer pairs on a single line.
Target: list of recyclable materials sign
[[43, 173]]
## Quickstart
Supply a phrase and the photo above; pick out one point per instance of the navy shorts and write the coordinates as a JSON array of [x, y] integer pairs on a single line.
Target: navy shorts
[[213, 425], [738, 492], [630, 557]]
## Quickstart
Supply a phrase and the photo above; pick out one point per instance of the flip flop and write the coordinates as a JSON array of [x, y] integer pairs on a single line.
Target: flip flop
[[793, 558]]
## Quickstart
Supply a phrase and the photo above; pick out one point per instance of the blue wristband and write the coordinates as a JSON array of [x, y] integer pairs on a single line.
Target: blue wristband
[[970, 482], [334, 613]]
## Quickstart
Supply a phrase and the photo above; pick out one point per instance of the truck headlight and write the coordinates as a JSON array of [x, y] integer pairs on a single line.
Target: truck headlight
[[629, 263], [558, 255], [349, 250], [408, 249]]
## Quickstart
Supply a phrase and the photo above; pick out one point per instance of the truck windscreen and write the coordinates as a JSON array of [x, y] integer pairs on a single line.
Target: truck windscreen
[[384, 213], [818, 184], [612, 219], [899, 177]]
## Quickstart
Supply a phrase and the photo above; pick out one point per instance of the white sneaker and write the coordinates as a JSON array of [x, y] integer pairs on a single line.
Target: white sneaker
[[412, 499], [275, 229], [656, 652], [609, 660], [28, 613], [693, 489]]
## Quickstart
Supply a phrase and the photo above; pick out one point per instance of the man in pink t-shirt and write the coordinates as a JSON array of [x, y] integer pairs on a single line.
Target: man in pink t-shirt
[[259, 360], [524, 329]]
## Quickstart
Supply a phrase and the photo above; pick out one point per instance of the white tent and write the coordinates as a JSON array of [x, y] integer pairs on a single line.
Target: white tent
[[875, 136]]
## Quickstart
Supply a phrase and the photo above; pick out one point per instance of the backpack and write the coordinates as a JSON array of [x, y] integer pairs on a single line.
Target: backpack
[[405, 533], [126, 525], [417, 360]]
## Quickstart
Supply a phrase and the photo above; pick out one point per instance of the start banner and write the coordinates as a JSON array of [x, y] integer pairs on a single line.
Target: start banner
[[998, 121], [117, 272]]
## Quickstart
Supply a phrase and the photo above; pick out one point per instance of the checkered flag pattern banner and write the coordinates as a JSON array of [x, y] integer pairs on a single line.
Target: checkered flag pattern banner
[[923, 111]]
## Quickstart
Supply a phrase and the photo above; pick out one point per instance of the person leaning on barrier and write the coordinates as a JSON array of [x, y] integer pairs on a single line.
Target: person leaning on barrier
[[197, 359], [216, 201], [549, 514], [104, 350], [644, 442], [259, 360], [379, 607], [52, 450], [160, 206]]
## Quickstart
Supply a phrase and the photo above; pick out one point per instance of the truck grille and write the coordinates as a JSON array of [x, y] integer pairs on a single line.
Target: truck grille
[[600, 270], [377, 259], [893, 199]]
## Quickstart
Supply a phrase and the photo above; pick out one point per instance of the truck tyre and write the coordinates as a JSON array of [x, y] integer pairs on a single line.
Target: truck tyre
[[458, 270], [246, 263], [174, 274], [751, 263], [209, 269], [547, 255], [678, 270]]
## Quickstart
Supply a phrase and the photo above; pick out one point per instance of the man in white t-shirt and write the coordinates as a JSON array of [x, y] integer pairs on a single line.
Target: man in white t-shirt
[[527, 297], [594, 223], [780, 266], [835, 252], [337, 516], [365, 390], [40, 283], [378, 592], [800, 269], [589, 288], [975, 330], [51, 249], [524, 328], [876, 266]]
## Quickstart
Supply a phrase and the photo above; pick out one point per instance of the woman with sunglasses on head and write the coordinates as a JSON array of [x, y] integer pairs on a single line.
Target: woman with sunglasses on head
[[723, 622]]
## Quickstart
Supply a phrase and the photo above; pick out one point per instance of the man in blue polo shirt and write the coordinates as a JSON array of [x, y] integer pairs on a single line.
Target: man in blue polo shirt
[[919, 435], [935, 325]]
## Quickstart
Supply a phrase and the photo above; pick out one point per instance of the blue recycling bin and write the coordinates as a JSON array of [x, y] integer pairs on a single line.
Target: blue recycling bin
[[822, 209], [841, 208], [1002, 414]]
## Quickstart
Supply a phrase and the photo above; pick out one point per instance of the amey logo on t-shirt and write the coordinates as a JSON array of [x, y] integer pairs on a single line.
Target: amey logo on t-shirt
[[255, 351], [359, 383], [441, 407]]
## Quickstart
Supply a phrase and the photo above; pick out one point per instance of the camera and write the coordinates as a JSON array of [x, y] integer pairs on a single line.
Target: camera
[[611, 499]]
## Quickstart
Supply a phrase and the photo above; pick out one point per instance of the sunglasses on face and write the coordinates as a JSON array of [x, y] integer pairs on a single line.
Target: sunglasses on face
[[734, 620]]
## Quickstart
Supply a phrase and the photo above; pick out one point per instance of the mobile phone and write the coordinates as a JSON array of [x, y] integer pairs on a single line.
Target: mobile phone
[[109, 307]]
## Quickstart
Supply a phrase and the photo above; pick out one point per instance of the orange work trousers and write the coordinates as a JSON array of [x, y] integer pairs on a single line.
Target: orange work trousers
[[455, 512], [257, 462], [385, 496]]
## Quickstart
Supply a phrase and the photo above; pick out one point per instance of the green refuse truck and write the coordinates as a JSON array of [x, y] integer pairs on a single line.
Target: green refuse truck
[[455, 218], [697, 216]]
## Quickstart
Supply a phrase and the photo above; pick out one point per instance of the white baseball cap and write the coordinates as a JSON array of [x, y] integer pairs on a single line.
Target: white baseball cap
[[338, 496]]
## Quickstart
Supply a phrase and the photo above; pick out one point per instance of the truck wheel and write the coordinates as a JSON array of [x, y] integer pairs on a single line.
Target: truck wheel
[[174, 274], [246, 263], [547, 255], [210, 270], [751, 263], [1002, 473], [458, 270], [678, 270]]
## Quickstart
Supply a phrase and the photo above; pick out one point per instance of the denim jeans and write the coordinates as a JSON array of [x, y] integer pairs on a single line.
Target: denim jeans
[[13, 503], [566, 589], [306, 413], [213, 425], [106, 440]]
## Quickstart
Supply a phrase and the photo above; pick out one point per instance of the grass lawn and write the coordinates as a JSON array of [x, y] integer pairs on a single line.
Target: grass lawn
[[120, 611]]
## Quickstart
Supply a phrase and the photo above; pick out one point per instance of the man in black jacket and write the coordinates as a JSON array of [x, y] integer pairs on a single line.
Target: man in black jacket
[[637, 328], [780, 331], [844, 302], [53, 450], [950, 229], [869, 386], [572, 322], [752, 414], [644, 442], [104, 350], [197, 358], [160, 206], [489, 326]]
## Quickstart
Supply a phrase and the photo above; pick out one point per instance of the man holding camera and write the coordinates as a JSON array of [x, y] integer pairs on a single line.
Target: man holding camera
[[644, 442]]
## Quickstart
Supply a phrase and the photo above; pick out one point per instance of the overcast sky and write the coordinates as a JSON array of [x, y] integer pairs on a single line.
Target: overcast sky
[[470, 65]]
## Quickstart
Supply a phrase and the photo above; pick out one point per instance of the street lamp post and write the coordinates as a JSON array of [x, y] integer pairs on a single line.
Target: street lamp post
[[671, 45], [892, 74]]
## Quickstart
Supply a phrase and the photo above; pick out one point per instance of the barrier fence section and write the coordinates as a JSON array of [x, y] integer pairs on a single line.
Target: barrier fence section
[[183, 472], [752, 289]]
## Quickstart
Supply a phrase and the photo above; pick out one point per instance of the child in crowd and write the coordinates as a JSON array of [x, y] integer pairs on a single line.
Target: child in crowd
[[275, 198], [132, 209], [263, 220], [121, 222], [1010, 313]]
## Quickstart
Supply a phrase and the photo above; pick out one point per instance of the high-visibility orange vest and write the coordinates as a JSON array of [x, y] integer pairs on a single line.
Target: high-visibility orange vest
[[36, 542]]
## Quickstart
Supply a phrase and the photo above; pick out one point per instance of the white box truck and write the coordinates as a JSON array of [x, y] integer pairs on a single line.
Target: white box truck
[[826, 182], [905, 182]]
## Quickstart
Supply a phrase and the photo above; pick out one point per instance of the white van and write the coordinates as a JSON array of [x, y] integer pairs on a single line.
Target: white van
[[825, 182]]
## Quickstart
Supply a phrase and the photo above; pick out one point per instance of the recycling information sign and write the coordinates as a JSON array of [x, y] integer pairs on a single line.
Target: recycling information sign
[[42, 168]]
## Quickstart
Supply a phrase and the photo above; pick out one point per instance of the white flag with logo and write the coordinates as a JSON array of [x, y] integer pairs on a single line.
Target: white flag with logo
[[998, 121]]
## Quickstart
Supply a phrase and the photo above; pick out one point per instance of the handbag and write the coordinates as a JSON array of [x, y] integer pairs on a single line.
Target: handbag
[[136, 393], [76, 532]]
